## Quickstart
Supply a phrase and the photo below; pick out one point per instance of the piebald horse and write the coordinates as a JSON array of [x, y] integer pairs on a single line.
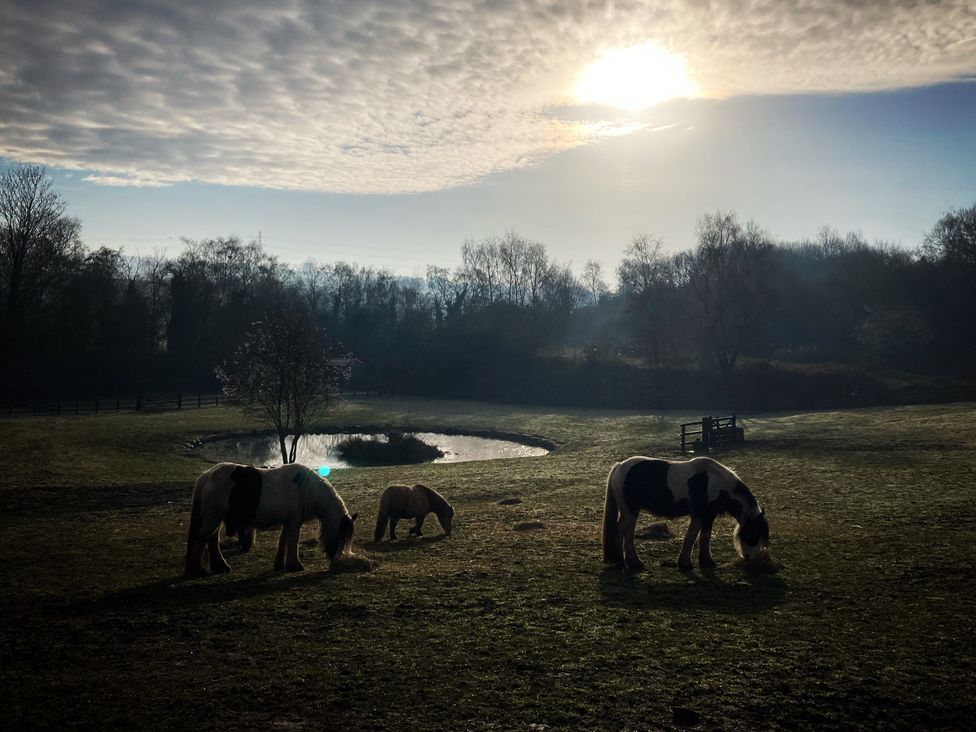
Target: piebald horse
[[403, 502], [249, 498], [701, 488]]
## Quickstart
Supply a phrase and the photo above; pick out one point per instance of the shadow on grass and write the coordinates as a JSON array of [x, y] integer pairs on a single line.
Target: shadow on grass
[[179, 592], [725, 591], [404, 544]]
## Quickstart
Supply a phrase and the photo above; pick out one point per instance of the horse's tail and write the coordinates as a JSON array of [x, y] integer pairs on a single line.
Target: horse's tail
[[383, 517], [612, 547], [196, 523]]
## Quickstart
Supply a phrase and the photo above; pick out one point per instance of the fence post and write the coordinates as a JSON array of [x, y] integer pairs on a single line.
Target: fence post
[[706, 433], [199, 400]]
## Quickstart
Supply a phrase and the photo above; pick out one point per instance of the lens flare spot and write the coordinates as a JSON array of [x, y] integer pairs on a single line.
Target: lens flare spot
[[324, 471]]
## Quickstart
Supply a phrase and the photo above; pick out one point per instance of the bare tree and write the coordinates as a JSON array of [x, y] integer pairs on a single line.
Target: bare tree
[[650, 282], [728, 274], [953, 238], [36, 236], [593, 281], [286, 372]]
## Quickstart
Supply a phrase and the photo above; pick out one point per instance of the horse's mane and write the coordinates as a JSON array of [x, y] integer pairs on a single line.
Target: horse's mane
[[438, 504], [318, 499]]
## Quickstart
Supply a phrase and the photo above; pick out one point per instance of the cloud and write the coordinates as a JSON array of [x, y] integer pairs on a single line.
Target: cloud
[[398, 97]]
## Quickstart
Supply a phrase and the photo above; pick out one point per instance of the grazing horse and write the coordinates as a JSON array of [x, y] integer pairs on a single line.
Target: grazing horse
[[403, 502], [248, 498], [700, 487]]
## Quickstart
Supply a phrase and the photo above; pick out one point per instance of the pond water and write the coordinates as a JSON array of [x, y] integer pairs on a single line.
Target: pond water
[[316, 450]]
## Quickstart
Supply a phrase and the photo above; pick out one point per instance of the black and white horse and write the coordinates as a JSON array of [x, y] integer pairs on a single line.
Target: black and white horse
[[249, 498], [701, 488]]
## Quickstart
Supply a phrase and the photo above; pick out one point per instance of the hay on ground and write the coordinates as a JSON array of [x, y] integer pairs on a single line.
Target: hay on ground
[[354, 563], [528, 526], [658, 531], [762, 564]]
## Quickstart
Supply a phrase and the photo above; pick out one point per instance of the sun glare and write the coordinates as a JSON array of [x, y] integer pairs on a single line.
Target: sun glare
[[634, 78]]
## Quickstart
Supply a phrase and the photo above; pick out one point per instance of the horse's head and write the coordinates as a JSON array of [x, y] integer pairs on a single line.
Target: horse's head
[[751, 536], [445, 517], [339, 542]]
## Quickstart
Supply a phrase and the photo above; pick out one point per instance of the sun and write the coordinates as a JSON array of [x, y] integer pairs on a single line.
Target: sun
[[633, 78]]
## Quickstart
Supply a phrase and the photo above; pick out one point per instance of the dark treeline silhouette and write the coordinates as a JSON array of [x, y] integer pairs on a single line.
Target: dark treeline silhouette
[[737, 319]]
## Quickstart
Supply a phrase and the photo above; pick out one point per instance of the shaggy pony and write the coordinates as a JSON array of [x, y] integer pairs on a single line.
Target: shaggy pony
[[701, 488], [402, 502], [248, 498]]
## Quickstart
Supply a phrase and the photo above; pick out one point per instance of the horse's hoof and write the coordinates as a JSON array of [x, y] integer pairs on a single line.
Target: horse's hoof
[[685, 566], [220, 569], [635, 565], [707, 563], [299, 567]]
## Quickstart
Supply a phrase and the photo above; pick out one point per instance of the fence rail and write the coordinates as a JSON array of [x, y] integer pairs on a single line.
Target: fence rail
[[156, 402], [710, 433]]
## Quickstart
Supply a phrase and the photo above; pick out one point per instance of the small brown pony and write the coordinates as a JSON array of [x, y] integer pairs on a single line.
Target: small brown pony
[[403, 502]]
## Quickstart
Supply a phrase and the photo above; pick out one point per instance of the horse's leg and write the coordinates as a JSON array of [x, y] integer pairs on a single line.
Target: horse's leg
[[626, 526], [416, 529], [705, 560], [218, 565], [199, 541], [393, 522], [194, 562], [279, 562], [292, 563], [684, 556]]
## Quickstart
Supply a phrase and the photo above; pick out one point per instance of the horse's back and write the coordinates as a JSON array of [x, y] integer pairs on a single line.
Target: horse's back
[[672, 488], [645, 483], [249, 496], [404, 500]]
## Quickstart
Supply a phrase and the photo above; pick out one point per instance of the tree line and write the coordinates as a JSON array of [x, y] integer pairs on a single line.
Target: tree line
[[731, 313]]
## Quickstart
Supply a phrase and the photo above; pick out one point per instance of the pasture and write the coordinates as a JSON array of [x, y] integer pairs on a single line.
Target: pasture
[[870, 623]]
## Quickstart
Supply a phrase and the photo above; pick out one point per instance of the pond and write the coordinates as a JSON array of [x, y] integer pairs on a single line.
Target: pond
[[320, 449]]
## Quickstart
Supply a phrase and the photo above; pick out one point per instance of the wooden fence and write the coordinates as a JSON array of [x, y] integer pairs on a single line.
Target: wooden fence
[[710, 433], [157, 402], [98, 405]]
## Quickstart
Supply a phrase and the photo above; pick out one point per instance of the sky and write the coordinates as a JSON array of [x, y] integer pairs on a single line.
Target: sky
[[388, 133]]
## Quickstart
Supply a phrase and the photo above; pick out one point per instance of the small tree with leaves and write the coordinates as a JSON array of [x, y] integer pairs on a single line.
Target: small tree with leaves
[[287, 372]]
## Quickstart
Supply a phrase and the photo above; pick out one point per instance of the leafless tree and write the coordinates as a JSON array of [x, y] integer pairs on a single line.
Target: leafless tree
[[36, 239], [593, 281], [286, 372], [953, 238], [728, 273]]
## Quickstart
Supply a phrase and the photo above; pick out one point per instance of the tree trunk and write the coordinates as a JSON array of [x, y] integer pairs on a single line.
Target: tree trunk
[[294, 447], [284, 448]]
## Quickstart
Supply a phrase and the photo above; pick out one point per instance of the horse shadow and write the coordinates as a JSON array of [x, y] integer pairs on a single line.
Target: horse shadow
[[181, 593], [722, 591], [405, 544]]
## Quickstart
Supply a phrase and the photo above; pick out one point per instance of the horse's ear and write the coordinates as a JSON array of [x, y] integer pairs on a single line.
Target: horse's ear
[[353, 517]]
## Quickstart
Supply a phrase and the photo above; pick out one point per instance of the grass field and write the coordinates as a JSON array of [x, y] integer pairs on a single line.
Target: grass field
[[870, 623]]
